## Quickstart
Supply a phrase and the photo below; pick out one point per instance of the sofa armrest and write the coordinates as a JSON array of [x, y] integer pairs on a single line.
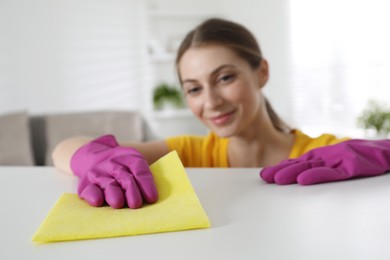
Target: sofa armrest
[[15, 141]]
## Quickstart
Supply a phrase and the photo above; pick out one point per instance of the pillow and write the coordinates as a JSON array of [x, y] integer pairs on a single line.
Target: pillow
[[15, 143], [125, 125]]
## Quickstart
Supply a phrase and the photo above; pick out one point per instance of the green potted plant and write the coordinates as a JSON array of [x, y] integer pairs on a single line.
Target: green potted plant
[[376, 117], [165, 95]]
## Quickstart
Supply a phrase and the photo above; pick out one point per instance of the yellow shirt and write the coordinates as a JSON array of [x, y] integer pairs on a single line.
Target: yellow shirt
[[211, 150]]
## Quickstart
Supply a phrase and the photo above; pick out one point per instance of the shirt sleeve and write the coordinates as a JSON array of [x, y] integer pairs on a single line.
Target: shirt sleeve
[[304, 143]]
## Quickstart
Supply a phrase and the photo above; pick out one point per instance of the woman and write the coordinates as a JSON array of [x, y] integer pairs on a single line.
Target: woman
[[222, 73]]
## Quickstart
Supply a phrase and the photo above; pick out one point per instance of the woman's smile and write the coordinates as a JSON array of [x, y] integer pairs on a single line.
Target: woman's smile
[[223, 119]]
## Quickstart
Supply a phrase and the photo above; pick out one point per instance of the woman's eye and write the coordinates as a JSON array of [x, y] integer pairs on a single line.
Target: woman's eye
[[193, 90], [226, 78]]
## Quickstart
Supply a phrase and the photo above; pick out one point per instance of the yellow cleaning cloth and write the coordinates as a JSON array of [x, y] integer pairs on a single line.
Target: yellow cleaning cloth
[[178, 208]]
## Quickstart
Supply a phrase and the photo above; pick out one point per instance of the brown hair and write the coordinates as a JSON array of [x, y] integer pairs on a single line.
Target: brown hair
[[237, 38]]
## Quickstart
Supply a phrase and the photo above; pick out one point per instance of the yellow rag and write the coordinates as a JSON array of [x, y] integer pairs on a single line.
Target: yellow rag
[[178, 208]]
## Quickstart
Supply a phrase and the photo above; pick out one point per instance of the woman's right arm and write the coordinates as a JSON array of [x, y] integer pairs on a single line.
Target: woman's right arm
[[64, 151]]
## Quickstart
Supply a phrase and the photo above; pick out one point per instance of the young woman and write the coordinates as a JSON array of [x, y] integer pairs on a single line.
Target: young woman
[[222, 73]]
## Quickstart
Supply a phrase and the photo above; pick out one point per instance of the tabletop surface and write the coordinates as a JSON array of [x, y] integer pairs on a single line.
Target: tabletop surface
[[250, 219]]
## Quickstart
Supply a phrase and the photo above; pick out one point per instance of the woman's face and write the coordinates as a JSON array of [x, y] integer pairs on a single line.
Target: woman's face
[[222, 89]]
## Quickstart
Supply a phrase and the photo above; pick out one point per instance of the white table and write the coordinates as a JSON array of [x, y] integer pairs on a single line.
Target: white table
[[250, 220]]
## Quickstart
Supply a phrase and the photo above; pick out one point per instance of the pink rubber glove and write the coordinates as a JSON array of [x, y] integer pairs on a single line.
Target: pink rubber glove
[[342, 161], [111, 173]]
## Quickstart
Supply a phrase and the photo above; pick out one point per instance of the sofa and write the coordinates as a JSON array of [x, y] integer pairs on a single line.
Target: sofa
[[27, 140]]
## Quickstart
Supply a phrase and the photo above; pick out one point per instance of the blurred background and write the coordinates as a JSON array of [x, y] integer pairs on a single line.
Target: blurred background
[[328, 58]]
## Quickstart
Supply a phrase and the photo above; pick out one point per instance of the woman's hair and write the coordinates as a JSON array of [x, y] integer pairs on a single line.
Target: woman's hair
[[235, 37]]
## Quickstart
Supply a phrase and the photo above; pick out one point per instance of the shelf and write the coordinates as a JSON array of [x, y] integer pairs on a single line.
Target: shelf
[[173, 113]]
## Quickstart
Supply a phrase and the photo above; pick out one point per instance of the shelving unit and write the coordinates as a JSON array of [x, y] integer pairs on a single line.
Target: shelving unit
[[173, 113], [166, 29], [178, 122]]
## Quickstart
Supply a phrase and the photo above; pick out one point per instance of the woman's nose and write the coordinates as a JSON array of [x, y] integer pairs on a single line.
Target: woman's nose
[[213, 99]]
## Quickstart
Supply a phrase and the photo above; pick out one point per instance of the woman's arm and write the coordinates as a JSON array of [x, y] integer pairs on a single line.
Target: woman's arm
[[342, 161], [64, 150]]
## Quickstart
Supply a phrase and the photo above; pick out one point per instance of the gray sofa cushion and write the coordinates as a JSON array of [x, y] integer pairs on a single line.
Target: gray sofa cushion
[[15, 144], [125, 125]]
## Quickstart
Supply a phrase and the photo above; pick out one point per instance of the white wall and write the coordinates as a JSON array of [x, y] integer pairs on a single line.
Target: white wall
[[69, 55]]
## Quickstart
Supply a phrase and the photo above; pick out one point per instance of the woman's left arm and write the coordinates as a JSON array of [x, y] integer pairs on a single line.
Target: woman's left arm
[[346, 160]]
